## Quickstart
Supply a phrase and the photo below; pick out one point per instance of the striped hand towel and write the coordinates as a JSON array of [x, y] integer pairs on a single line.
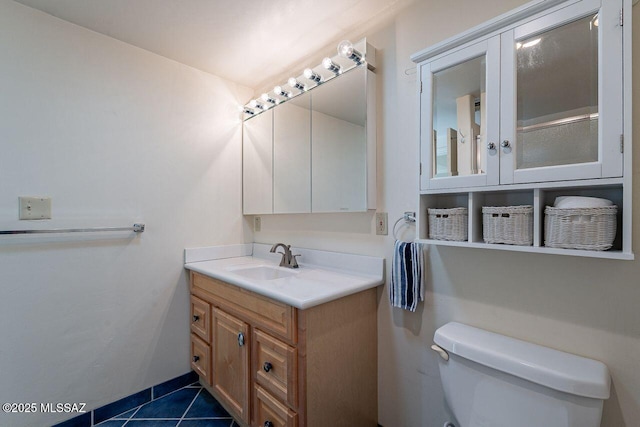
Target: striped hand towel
[[406, 276]]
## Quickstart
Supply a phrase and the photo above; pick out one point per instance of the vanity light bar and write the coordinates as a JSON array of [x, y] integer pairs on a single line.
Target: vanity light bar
[[336, 65]]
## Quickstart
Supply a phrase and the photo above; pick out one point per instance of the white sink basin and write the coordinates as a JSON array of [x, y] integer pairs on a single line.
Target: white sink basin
[[263, 272]]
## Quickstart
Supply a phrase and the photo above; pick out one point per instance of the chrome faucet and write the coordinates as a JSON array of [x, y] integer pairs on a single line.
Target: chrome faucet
[[288, 260]]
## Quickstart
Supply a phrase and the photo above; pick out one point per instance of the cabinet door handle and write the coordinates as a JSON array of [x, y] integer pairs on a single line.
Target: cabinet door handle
[[196, 318], [267, 366], [505, 144], [240, 339], [196, 358], [491, 146], [268, 424]]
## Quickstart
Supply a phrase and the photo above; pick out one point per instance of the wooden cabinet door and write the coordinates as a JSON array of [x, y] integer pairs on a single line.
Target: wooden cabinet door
[[230, 356]]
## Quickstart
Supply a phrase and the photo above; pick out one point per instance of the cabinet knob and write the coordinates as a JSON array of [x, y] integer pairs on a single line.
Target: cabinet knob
[[196, 318], [240, 339], [196, 358], [268, 424], [491, 146], [267, 366], [505, 144]]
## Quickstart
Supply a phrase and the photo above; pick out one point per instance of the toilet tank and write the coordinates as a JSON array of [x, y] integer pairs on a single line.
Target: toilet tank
[[491, 380]]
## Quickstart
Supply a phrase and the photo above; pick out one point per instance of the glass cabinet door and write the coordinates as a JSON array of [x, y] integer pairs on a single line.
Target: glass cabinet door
[[553, 96], [460, 118]]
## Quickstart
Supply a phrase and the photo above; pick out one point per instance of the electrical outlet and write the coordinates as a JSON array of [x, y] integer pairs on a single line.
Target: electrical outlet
[[257, 223], [35, 207], [381, 223]]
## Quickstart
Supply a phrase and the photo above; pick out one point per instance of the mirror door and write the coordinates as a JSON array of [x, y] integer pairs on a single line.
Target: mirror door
[[460, 113], [257, 164], [292, 156], [339, 144]]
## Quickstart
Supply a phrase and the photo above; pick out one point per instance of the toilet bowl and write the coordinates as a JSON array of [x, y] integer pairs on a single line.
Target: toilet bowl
[[491, 380]]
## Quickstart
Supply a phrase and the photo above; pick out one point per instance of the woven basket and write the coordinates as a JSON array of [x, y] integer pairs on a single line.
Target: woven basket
[[580, 228], [511, 225], [448, 224]]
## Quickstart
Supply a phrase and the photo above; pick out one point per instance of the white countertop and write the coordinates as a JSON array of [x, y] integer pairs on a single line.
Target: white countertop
[[310, 285]]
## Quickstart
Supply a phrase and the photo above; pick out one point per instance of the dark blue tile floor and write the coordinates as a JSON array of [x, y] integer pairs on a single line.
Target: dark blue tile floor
[[190, 406]]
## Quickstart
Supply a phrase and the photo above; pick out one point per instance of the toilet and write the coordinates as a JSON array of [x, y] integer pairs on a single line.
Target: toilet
[[491, 380]]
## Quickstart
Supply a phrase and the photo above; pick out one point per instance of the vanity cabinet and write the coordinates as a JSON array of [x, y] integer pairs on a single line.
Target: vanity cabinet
[[270, 364], [529, 106]]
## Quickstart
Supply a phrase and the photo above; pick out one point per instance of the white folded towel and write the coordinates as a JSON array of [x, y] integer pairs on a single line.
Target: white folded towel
[[573, 202], [406, 288]]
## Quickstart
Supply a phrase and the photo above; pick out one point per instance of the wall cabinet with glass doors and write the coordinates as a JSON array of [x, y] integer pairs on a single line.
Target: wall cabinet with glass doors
[[531, 101]]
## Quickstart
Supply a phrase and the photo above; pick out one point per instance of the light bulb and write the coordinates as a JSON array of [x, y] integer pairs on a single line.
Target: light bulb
[[346, 50], [257, 104], [293, 82], [312, 75], [331, 66], [280, 92], [266, 98]]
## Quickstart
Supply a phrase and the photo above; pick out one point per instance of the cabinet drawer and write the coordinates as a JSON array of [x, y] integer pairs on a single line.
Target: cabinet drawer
[[200, 324], [201, 358], [270, 412], [272, 316], [275, 366]]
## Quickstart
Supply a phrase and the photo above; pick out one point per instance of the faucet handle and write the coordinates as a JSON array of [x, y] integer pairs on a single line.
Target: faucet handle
[[294, 263]]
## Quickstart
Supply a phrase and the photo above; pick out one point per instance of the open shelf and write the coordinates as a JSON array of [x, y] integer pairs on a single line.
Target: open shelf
[[537, 196]]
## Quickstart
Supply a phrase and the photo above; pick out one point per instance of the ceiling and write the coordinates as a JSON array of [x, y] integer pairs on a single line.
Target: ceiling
[[244, 41]]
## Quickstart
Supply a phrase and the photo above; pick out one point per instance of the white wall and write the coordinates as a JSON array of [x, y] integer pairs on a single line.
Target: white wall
[[114, 134], [584, 306]]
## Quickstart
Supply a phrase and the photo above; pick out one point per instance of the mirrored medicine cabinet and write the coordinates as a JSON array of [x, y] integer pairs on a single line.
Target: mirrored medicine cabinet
[[314, 152]]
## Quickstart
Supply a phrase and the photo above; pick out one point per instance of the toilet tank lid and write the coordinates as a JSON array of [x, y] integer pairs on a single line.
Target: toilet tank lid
[[542, 365]]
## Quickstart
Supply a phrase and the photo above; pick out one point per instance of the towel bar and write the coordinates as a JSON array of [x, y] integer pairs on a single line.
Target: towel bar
[[137, 228], [408, 217]]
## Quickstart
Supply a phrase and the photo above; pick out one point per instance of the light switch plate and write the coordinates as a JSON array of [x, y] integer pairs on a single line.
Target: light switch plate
[[35, 207], [257, 223]]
